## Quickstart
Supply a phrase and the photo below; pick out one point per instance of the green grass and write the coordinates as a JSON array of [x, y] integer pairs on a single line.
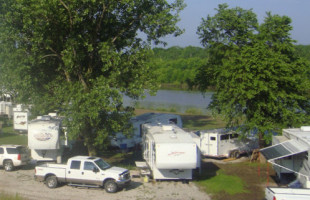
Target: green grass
[[193, 111], [4, 196], [9, 136], [201, 122], [222, 183]]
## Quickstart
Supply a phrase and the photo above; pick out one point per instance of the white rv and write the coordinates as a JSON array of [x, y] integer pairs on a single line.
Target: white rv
[[225, 143], [6, 108], [121, 141], [169, 152], [44, 139], [20, 118], [289, 154]]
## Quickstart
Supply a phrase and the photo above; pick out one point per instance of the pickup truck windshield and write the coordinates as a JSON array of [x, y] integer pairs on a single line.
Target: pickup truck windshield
[[102, 164]]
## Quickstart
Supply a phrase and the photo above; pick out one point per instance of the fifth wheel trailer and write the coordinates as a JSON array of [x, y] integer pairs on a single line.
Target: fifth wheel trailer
[[169, 152], [46, 139], [123, 142]]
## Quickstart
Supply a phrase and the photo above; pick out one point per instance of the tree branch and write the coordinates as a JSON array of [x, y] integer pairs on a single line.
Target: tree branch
[[67, 8]]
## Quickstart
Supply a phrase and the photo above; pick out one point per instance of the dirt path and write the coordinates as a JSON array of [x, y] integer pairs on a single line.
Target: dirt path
[[21, 182]]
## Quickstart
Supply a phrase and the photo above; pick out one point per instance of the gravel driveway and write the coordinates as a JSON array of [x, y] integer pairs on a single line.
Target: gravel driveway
[[21, 182]]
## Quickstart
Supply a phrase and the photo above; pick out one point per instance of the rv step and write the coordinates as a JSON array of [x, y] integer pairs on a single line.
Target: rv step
[[83, 185]]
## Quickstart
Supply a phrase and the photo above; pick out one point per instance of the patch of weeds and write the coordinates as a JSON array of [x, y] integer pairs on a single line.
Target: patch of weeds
[[4, 196], [222, 183], [193, 111]]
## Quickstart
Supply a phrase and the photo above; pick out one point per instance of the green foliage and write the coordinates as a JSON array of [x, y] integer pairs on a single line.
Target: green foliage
[[303, 51], [260, 81], [79, 57], [177, 65]]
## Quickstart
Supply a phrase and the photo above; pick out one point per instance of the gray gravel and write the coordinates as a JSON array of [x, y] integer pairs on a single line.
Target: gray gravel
[[21, 182]]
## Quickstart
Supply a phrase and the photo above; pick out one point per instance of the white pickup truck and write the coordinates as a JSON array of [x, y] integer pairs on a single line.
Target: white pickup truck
[[277, 193], [84, 171]]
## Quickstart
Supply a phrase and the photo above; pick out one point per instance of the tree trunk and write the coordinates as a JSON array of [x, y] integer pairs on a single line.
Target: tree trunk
[[261, 141], [89, 140], [91, 150]]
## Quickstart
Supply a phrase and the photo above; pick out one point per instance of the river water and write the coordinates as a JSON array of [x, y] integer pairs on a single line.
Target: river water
[[174, 100]]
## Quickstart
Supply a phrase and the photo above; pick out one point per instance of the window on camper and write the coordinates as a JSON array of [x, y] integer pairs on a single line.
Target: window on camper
[[224, 137], [75, 164], [232, 136], [173, 121], [213, 138], [1, 151]]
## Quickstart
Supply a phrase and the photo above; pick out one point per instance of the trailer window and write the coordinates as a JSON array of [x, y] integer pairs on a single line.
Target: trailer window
[[1, 151], [232, 136], [173, 121], [75, 164], [224, 137], [213, 138]]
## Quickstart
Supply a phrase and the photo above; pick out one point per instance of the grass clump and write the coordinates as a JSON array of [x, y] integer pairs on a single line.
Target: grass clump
[[4, 196], [12, 138], [222, 183]]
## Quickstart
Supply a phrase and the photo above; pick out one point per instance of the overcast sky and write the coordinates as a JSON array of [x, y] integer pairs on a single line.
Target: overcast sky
[[297, 10]]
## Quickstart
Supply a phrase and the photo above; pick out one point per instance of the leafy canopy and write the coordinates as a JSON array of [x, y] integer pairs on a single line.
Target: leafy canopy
[[260, 82], [79, 57]]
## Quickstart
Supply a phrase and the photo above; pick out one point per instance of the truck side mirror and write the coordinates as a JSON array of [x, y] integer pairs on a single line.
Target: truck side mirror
[[95, 170]]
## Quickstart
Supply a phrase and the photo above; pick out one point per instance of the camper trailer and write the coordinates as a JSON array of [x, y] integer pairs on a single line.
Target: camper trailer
[[20, 118], [289, 154], [45, 139], [6, 109], [169, 152], [225, 143], [6, 106], [121, 141]]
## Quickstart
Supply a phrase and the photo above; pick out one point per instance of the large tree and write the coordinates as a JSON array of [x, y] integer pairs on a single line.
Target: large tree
[[260, 82], [79, 57]]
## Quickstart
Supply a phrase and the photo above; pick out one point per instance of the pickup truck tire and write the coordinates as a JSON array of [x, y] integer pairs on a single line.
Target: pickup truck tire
[[8, 165], [110, 186], [51, 181]]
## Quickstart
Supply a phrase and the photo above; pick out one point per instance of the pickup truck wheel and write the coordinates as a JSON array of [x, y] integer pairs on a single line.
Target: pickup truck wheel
[[51, 182], [8, 165], [110, 186]]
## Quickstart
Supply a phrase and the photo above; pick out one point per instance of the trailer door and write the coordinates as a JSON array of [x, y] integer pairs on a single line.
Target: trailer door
[[209, 145]]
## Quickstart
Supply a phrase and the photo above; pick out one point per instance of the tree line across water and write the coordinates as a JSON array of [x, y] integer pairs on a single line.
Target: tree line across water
[[177, 66]]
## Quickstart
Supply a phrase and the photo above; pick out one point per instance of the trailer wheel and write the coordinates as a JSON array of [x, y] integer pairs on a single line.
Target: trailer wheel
[[8, 165], [232, 154], [236, 154], [51, 182], [110, 186]]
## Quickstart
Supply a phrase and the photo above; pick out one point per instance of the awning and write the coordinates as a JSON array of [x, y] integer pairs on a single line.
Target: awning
[[284, 149]]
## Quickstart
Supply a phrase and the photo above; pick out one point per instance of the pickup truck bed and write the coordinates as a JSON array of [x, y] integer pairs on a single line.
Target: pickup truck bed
[[58, 170], [277, 193]]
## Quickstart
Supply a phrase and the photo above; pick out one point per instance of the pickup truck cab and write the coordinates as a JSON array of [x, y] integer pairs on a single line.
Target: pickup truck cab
[[84, 171]]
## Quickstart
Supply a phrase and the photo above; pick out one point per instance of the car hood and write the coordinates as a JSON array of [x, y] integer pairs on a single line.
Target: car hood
[[117, 170]]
